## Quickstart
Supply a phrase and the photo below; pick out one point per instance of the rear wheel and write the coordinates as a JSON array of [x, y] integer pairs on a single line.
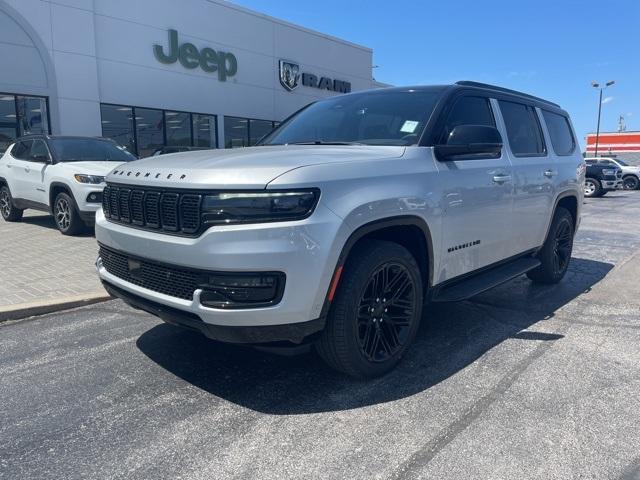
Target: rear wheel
[[555, 254], [630, 182], [592, 188], [7, 209], [376, 312], [66, 215]]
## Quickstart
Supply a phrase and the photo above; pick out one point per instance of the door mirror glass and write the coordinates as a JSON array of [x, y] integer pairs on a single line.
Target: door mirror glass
[[469, 142]]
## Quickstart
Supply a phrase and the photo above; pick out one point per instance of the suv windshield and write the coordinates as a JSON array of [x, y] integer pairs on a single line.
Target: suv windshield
[[372, 118], [89, 150]]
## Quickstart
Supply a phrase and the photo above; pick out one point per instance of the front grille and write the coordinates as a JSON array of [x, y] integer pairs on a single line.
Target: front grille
[[169, 280], [153, 209]]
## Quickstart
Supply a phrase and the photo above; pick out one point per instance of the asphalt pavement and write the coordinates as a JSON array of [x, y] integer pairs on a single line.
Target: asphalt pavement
[[522, 382]]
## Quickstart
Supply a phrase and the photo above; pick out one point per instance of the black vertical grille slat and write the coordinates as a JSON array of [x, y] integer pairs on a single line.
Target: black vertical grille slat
[[125, 211], [137, 209], [172, 211], [152, 209], [105, 201], [190, 213], [169, 211], [114, 203]]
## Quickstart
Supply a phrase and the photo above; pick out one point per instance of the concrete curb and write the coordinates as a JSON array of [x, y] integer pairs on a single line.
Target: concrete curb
[[41, 307]]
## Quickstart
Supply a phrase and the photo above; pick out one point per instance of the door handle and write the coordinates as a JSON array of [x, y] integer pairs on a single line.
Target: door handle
[[500, 179], [27, 169], [550, 173]]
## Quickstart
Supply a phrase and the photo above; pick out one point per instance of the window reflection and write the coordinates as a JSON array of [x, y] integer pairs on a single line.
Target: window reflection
[[258, 129], [236, 132], [32, 115], [204, 130], [117, 124], [149, 131], [8, 121], [178, 125]]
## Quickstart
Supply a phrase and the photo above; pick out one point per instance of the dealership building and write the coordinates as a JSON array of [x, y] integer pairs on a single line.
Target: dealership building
[[622, 145], [149, 73]]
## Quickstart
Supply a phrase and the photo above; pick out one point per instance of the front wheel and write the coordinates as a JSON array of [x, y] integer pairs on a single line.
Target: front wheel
[[7, 209], [376, 311], [592, 188], [630, 182], [66, 215], [555, 254]]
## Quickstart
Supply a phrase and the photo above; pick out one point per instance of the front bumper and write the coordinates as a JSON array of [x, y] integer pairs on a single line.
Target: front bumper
[[293, 333], [306, 251]]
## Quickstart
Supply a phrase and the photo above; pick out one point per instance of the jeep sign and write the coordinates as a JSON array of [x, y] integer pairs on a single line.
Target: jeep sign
[[290, 76], [190, 57]]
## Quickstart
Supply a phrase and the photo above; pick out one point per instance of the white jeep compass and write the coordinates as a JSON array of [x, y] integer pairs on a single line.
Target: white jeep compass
[[60, 175], [347, 219]]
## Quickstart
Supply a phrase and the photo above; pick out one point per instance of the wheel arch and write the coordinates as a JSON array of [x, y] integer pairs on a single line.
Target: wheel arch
[[410, 231], [56, 188], [3, 181], [569, 200]]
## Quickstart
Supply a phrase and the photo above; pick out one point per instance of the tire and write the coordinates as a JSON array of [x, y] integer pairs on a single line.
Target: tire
[[630, 182], [8, 210], [603, 193], [66, 216], [555, 254], [385, 277], [592, 188]]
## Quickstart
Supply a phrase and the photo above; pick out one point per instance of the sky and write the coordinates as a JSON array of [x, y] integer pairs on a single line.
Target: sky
[[553, 49]]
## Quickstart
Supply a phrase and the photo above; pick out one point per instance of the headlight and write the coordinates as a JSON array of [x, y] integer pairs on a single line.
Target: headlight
[[255, 207], [608, 171], [94, 179]]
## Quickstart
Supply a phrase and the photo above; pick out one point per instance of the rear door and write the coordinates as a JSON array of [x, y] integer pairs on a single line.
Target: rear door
[[534, 173], [19, 167], [477, 196]]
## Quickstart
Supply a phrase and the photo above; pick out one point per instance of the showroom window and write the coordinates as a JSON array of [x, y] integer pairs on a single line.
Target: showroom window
[[144, 131], [21, 115], [245, 132]]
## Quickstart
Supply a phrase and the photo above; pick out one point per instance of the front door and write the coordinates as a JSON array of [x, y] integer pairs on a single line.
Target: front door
[[40, 160], [477, 198]]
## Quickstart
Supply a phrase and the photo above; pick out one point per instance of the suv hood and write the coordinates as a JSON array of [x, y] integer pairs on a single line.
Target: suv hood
[[252, 167], [87, 168]]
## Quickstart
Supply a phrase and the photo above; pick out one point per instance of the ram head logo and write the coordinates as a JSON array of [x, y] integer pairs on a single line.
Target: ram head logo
[[289, 74]]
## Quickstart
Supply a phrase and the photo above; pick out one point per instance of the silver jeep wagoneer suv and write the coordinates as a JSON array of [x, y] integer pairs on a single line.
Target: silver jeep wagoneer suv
[[347, 219]]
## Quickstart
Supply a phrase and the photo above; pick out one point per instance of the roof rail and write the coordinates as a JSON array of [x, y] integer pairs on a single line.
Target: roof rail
[[468, 83]]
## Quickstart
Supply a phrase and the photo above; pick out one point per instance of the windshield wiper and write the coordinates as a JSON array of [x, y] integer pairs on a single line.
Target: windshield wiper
[[322, 142]]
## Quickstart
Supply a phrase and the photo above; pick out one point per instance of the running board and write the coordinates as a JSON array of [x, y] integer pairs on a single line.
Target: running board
[[484, 281]]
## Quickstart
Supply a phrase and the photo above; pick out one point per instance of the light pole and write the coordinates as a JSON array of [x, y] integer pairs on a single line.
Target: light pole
[[597, 85]]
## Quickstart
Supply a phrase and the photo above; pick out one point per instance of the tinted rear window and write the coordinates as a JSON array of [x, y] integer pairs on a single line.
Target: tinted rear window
[[560, 133], [523, 129]]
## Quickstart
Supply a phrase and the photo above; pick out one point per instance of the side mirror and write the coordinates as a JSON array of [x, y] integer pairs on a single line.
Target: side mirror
[[469, 142], [41, 159]]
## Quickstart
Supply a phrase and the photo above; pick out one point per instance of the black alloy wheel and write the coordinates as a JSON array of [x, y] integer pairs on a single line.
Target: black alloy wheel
[[376, 311], [630, 182], [555, 253], [563, 247], [386, 312]]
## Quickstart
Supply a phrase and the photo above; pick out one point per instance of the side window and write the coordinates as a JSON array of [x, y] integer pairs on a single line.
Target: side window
[[560, 133], [523, 129], [38, 149], [605, 162], [468, 111], [22, 150]]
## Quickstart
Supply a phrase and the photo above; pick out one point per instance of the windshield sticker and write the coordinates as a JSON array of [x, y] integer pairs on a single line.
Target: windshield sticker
[[409, 126]]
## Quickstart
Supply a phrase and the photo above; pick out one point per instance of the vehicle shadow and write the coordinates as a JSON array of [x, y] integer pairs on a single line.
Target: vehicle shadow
[[47, 221], [451, 337]]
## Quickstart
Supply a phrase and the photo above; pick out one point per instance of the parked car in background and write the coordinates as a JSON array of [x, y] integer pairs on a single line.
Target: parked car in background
[[601, 178], [176, 149], [630, 173], [60, 175], [337, 228]]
